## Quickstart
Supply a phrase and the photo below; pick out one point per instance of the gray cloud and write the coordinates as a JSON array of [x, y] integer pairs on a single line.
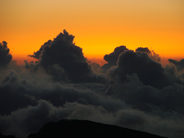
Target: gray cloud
[[179, 64], [26, 120], [36, 116], [141, 94], [148, 98], [112, 58], [147, 70], [63, 59], [143, 49], [5, 56], [35, 102], [155, 57], [27, 101]]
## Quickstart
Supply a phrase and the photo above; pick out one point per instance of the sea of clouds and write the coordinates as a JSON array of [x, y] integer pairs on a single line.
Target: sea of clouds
[[132, 89]]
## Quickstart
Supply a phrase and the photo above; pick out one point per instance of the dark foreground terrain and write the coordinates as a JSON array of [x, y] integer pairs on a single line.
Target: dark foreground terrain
[[87, 129], [2, 136]]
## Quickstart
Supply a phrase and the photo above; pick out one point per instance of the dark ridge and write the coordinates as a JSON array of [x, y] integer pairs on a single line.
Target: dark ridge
[[87, 129], [9, 136]]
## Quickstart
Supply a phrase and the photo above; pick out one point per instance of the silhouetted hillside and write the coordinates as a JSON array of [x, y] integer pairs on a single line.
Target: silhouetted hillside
[[9, 136], [87, 129]]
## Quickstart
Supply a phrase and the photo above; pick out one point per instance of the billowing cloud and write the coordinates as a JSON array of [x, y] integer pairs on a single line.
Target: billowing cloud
[[38, 53], [140, 93], [148, 98], [28, 102], [112, 58], [68, 57], [155, 57], [5, 56], [179, 64], [147, 70]]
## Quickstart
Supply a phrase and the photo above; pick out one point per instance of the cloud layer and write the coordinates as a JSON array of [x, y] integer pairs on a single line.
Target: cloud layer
[[64, 60], [147, 70], [140, 93], [179, 64]]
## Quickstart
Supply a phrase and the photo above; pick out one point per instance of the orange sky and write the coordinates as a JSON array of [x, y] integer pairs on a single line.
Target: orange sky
[[98, 25]]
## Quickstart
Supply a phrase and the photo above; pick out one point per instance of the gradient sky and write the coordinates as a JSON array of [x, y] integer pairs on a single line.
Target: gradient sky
[[98, 25]]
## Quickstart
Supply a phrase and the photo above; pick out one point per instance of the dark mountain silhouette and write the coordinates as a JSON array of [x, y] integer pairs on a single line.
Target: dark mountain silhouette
[[87, 129], [9, 136]]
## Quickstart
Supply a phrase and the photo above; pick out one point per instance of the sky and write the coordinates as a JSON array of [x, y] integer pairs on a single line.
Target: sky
[[132, 88], [98, 25]]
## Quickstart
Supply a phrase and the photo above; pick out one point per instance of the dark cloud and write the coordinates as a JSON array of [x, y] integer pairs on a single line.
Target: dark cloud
[[166, 103], [179, 64], [38, 53], [62, 55], [148, 98], [29, 100], [5, 56], [112, 58], [152, 123], [141, 94], [96, 67], [147, 70], [23, 121], [173, 74], [32, 66], [13, 94], [175, 71], [155, 57], [143, 49], [149, 104]]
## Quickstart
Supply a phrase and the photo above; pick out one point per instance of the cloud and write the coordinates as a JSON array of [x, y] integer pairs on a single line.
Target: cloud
[[38, 53], [32, 66], [25, 102], [179, 64], [62, 55], [147, 98], [152, 109], [151, 123], [155, 57], [148, 71], [175, 71], [140, 93], [32, 102], [32, 118], [14, 91], [143, 49], [5, 57], [26, 120], [112, 58], [173, 74]]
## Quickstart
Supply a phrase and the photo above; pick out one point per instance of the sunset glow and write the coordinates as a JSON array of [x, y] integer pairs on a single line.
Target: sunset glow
[[98, 26], [91, 64]]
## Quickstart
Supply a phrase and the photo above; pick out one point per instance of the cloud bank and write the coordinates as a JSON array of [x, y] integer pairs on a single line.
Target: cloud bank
[[64, 60], [147, 70], [134, 91], [179, 64], [5, 56], [112, 58]]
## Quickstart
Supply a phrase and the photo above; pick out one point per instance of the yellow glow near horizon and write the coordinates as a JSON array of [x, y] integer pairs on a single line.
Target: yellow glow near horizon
[[98, 26]]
